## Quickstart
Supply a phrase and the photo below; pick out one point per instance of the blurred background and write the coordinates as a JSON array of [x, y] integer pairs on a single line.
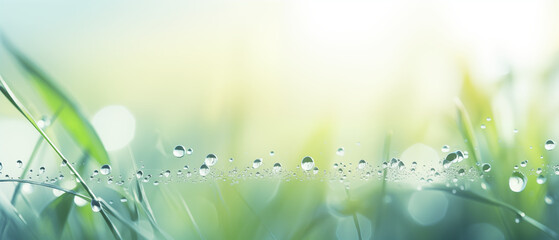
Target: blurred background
[[299, 78]]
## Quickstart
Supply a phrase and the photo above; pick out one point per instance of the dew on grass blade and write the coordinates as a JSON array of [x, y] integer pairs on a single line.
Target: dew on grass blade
[[394, 162], [105, 169], [549, 145], [204, 170], [548, 199], [517, 181], [257, 163], [307, 163], [179, 151], [139, 174], [210, 160], [95, 205]]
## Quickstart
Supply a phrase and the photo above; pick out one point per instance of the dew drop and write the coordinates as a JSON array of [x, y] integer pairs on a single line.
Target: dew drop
[[394, 162], [95, 205], [272, 153], [139, 174], [517, 181], [340, 151], [42, 170], [483, 126], [204, 170], [315, 170], [335, 165], [445, 148], [307, 163], [549, 145], [210, 160], [541, 179], [401, 165], [189, 151], [167, 173], [257, 163], [277, 167], [461, 172], [523, 163], [230, 159], [19, 163], [1, 166], [105, 169], [361, 164], [486, 167], [548, 199], [179, 151]]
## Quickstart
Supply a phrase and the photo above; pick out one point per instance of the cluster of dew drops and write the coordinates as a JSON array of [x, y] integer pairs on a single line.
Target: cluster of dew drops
[[449, 172]]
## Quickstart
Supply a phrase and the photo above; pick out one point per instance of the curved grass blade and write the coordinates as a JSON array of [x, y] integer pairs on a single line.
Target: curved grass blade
[[54, 215], [72, 119], [476, 197], [21, 108]]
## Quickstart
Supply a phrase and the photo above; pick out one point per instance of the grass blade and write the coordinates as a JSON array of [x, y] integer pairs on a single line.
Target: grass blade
[[72, 119]]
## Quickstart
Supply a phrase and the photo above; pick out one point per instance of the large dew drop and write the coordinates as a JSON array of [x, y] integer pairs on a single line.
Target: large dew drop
[[362, 164], [257, 163], [486, 167], [307, 163], [517, 181], [179, 151], [549, 145], [277, 167], [95, 205], [105, 169], [204, 170], [210, 160]]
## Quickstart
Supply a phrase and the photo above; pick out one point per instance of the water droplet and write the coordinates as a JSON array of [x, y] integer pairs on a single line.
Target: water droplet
[[204, 170], [272, 153], [488, 119], [335, 165], [445, 148], [517, 181], [459, 156], [539, 170], [42, 170], [210, 160], [1, 166], [548, 199], [123, 200], [401, 165], [105, 169], [549, 145], [179, 151], [257, 163], [486, 167], [523, 163], [139, 174], [307, 163], [361, 164], [277, 167], [230, 159], [461, 172], [541, 179], [95, 205], [19, 163], [315, 170], [340, 151], [483, 126], [189, 151], [95, 172], [394, 162], [167, 173]]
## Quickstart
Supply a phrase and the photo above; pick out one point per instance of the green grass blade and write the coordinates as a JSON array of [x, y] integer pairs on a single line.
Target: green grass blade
[[54, 215], [72, 119], [466, 129], [486, 200], [385, 157]]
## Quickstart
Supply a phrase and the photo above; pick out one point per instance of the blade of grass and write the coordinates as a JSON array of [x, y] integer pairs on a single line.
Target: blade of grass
[[21, 108], [466, 129], [72, 119], [476, 197], [54, 215], [385, 157]]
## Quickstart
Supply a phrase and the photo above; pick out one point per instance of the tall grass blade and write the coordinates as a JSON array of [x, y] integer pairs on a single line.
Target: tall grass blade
[[72, 119]]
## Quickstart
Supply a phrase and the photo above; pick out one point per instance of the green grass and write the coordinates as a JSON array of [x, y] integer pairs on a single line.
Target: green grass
[[290, 205]]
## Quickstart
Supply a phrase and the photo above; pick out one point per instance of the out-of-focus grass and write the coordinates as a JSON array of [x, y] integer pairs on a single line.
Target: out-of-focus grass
[[305, 208]]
